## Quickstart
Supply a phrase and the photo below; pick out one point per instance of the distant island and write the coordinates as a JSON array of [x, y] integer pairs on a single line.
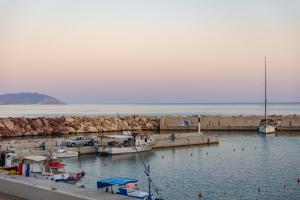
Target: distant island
[[27, 98]]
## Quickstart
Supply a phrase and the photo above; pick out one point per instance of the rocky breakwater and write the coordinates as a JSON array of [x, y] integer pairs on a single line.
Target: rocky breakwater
[[12, 127]]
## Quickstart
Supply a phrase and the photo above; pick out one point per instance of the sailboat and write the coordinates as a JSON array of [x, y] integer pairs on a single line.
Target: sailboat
[[266, 126]]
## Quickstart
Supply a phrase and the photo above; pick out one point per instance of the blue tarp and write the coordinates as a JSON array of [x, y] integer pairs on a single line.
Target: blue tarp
[[115, 181]]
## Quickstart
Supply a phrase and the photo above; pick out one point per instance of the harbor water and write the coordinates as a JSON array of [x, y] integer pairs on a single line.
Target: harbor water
[[148, 109], [237, 168]]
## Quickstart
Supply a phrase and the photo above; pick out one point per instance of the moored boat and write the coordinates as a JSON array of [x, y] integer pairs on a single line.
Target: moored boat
[[50, 166], [122, 186], [63, 153], [6, 161], [266, 126], [126, 143]]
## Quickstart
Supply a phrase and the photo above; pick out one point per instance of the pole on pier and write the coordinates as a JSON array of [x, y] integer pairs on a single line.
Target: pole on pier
[[199, 125]]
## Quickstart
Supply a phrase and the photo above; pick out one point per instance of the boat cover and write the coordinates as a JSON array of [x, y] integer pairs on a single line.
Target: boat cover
[[35, 158], [115, 181]]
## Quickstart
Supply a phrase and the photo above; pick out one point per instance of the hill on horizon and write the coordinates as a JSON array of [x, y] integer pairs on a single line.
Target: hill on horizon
[[23, 98]]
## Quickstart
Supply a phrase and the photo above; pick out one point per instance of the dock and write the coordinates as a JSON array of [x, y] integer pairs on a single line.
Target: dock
[[183, 139], [34, 188]]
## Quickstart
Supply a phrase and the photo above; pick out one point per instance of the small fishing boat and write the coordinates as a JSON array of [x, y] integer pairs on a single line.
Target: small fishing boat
[[6, 161], [122, 186], [63, 153], [125, 143], [50, 166]]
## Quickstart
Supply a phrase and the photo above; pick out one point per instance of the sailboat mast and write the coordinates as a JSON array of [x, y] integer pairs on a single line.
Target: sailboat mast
[[265, 90]]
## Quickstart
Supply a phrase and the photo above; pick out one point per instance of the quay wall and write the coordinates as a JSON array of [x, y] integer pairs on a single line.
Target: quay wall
[[227, 123], [19, 126]]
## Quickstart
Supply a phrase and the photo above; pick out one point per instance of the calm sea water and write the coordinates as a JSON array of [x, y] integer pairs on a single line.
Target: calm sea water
[[149, 109], [217, 171]]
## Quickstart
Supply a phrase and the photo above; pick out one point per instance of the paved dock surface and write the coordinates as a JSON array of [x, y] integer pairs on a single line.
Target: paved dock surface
[[8, 197], [32, 188]]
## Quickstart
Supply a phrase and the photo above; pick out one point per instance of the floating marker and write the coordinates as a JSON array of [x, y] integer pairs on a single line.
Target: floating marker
[[200, 195], [258, 189]]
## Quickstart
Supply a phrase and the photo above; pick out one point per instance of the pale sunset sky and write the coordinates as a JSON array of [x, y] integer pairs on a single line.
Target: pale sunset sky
[[151, 51]]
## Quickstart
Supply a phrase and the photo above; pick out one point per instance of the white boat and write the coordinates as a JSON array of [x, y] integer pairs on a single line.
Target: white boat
[[62, 153], [266, 129], [266, 126], [51, 167], [126, 143]]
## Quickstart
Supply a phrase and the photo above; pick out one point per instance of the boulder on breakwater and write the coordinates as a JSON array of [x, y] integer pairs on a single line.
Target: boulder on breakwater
[[19, 126]]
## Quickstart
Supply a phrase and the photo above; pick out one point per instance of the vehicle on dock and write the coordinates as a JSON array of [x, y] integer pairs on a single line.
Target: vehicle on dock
[[122, 186], [79, 141], [125, 143], [63, 153]]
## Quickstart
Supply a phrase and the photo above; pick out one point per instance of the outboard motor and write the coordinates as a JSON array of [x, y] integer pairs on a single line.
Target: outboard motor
[[2, 159]]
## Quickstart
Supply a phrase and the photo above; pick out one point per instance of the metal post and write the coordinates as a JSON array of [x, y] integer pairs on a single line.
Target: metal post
[[199, 125], [149, 183], [265, 90]]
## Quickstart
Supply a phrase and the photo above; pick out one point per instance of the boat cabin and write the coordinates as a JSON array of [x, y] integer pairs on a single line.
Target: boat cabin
[[53, 168], [269, 122], [35, 162]]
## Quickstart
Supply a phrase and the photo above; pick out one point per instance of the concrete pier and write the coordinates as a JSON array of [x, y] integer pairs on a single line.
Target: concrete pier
[[32, 188], [183, 139]]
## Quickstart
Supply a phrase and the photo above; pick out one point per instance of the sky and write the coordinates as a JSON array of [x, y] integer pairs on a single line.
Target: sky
[[155, 51]]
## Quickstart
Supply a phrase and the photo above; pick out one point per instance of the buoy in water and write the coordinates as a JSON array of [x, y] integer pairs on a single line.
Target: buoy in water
[[200, 195], [284, 186], [298, 180], [162, 157], [191, 154], [243, 149], [206, 153], [258, 189], [234, 150]]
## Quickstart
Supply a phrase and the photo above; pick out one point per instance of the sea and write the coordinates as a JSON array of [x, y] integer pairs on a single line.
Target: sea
[[148, 109], [237, 168]]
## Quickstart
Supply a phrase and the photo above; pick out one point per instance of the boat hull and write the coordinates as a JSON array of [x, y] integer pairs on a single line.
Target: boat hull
[[124, 150], [67, 154], [15, 168], [266, 129]]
